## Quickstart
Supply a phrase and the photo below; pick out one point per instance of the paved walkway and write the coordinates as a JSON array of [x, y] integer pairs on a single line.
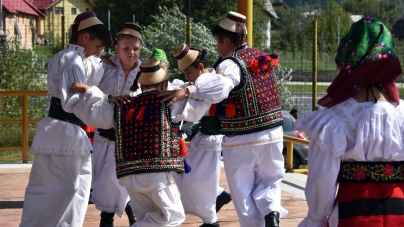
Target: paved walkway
[[14, 179]]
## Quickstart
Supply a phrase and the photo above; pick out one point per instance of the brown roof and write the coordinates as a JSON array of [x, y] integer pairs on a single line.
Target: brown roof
[[21, 6]]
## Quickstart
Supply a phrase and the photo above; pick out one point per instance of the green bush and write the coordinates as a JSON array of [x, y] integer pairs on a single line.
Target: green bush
[[20, 69]]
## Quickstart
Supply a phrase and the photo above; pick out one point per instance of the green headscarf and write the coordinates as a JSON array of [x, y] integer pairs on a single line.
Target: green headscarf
[[366, 54], [367, 40], [159, 54]]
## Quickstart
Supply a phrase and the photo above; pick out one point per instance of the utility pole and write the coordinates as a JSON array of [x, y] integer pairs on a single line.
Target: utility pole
[[189, 23]]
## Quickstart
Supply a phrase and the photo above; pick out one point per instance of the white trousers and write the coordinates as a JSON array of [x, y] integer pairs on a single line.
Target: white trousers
[[199, 188], [108, 195], [57, 192], [155, 199], [254, 174]]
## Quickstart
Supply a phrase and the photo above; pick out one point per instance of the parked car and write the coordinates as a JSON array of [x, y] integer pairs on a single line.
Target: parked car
[[300, 152]]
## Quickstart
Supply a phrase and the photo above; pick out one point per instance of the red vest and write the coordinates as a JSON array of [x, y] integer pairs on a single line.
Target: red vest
[[146, 140], [253, 105]]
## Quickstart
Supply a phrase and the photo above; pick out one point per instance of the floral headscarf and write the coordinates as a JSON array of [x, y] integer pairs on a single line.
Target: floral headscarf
[[366, 55]]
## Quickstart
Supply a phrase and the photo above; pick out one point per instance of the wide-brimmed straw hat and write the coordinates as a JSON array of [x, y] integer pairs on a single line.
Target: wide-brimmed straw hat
[[185, 56], [132, 29], [151, 72]]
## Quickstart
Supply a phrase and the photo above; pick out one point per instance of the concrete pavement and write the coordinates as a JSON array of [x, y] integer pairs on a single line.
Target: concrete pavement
[[14, 179]]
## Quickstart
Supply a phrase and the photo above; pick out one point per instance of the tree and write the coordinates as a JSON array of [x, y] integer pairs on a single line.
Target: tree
[[386, 11], [20, 69], [168, 30], [328, 26], [289, 30], [207, 12]]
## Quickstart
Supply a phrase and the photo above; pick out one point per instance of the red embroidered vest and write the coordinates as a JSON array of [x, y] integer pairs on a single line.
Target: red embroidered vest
[[146, 140], [253, 105]]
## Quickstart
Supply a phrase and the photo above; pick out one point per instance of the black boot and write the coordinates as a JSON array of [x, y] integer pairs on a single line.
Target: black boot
[[272, 219], [216, 224], [222, 199], [107, 219], [129, 212]]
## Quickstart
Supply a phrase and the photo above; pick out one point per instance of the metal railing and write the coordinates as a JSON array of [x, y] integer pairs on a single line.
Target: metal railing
[[289, 153], [24, 121]]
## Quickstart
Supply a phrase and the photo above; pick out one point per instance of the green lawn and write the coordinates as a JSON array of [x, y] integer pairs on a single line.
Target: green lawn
[[13, 156], [306, 89], [321, 89]]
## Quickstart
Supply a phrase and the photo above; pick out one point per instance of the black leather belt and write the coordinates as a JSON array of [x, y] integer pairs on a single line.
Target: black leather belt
[[107, 133], [56, 111]]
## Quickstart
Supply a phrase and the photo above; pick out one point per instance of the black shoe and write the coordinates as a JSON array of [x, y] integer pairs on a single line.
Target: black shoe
[[89, 198], [222, 199], [216, 224], [129, 212], [107, 219], [272, 219]]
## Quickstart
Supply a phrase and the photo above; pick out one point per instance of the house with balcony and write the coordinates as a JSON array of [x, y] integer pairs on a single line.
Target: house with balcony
[[55, 9], [22, 20]]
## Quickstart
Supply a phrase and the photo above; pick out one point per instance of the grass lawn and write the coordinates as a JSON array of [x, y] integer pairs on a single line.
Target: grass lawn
[[13, 156], [321, 89], [306, 89]]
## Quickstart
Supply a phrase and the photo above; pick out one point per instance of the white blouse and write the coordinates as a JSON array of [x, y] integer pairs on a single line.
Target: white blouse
[[348, 131]]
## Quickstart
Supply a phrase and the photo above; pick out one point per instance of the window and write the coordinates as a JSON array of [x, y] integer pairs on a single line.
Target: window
[[59, 10], [17, 30], [74, 11]]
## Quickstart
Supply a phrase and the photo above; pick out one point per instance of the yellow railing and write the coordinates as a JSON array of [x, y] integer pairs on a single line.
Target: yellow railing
[[289, 153], [24, 121]]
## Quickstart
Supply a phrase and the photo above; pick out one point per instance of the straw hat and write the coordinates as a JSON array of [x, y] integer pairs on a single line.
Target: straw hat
[[230, 22], [132, 29], [151, 72], [185, 56], [87, 19]]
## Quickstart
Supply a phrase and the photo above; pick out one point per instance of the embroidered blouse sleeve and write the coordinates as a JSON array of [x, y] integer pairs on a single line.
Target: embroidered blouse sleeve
[[212, 87]]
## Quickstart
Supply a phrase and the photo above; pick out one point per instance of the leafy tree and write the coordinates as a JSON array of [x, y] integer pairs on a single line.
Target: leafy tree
[[328, 26], [283, 76], [289, 30], [20, 69], [386, 11], [168, 30], [207, 12]]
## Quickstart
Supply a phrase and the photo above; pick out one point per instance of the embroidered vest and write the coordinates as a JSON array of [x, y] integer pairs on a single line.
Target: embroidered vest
[[253, 105], [146, 140]]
